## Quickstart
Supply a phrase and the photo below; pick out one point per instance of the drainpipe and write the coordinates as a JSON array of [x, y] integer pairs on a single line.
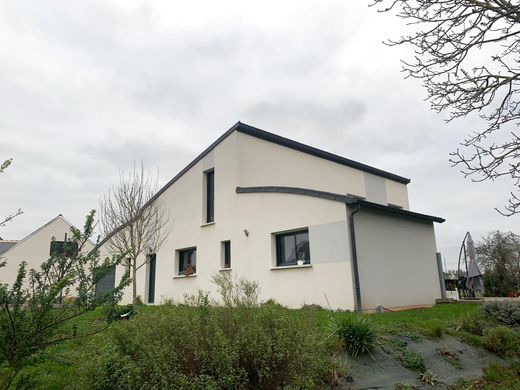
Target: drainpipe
[[441, 275], [357, 289]]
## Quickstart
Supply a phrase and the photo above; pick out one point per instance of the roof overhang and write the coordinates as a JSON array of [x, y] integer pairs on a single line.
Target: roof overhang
[[347, 199]]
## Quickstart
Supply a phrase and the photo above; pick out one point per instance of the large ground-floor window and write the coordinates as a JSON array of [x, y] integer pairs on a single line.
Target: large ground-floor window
[[292, 247]]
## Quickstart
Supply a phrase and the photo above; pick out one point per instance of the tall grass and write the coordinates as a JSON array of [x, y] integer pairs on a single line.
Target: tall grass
[[358, 333]]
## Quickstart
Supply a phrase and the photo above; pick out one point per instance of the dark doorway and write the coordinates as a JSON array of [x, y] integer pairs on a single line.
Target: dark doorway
[[151, 277]]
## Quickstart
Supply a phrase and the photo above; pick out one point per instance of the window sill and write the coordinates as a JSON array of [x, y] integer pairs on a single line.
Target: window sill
[[291, 267], [184, 276], [207, 224], [224, 269]]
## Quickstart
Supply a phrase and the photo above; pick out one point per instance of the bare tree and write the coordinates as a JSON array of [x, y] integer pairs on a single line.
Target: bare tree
[[10, 217], [135, 223], [466, 52]]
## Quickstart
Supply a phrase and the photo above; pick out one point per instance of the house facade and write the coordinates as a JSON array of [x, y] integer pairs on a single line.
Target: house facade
[[309, 226], [35, 248]]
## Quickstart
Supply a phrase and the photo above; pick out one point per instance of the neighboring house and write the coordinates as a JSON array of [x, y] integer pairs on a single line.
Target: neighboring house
[[309, 226], [35, 248], [6, 244]]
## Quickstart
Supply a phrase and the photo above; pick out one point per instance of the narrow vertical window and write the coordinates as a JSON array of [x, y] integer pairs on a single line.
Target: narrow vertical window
[[210, 196], [226, 254]]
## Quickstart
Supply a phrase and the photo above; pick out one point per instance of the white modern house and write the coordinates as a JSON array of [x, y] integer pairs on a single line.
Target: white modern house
[[35, 248], [309, 226]]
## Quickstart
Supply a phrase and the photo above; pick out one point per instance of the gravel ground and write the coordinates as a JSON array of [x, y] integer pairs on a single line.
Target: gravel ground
[[384, 370]]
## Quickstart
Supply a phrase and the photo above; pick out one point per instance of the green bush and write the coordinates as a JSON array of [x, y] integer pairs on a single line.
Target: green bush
[[199, 346], [434, 330], [501, 340], [114, 312], [495, 373], [504, 377], [413, 360], [358, 333], [474, 323], [472, 339], [502, 312]]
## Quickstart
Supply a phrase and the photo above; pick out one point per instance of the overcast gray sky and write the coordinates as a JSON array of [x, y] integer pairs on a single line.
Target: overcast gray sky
[[88, 87]]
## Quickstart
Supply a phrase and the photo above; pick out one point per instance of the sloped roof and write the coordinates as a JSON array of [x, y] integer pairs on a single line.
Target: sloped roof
[[289, 143], [279, 140], [6, 244], [36, 231]]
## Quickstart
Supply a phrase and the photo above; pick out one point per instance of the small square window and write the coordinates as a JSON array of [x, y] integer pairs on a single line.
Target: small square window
[[225, 254], [292, 248], [187, 261], [63, 248]]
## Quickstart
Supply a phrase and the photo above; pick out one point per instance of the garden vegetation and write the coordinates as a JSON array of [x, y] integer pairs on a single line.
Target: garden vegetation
[[239, 345]]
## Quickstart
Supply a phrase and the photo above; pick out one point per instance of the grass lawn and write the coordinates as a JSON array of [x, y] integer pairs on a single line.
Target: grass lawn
[[57, 368], [420, 320]]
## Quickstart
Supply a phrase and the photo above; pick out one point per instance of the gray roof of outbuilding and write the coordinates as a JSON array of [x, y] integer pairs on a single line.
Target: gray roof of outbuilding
[[6, 244]]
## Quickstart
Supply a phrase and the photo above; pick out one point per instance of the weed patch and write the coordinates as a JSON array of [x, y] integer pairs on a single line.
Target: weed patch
[[429, 377], [413, 360], [450, 357]]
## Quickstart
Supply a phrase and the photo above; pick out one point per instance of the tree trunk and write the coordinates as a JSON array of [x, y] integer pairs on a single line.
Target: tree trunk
[[134, 282]]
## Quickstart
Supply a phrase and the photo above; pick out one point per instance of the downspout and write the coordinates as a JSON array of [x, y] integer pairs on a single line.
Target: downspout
[[441, 275], [357, 289]]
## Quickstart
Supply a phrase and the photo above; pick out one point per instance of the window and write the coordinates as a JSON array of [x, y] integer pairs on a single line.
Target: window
[[210, 196], [107, 283], [226, 254], [188, 261], [63, 248], [292, 247]]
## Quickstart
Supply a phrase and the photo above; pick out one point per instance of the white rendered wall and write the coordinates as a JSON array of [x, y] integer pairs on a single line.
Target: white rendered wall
[[252, 256], [263, 163], [242, 160]]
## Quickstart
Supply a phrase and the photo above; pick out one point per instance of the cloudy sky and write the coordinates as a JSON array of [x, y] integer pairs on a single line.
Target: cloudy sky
[[88, 87]]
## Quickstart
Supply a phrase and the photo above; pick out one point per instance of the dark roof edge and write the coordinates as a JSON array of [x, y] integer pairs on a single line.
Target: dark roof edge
[[191, 164], [178, 176], [400, 212], [289, 143], [339, 198]]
